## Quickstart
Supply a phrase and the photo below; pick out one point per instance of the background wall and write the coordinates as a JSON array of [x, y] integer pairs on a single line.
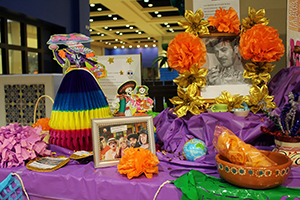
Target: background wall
[[72, 14]]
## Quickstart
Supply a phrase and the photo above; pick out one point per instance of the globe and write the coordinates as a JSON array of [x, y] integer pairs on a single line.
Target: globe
[[193, 149]]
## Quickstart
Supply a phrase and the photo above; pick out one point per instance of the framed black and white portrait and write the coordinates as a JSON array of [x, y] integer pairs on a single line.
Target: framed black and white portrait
[[225, 66]]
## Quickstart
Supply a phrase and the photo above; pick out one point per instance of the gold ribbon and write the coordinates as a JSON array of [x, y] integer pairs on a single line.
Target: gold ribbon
[[187, 100], [233, 102], [258, 72], [259, 99], [195, 75], [194, 23], [254, 17]]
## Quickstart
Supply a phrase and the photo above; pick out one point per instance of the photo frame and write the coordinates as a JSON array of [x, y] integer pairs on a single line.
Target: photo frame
[[111, 136], [225, 66]]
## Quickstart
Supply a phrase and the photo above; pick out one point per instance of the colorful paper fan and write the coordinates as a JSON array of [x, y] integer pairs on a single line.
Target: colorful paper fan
[[78, 100]]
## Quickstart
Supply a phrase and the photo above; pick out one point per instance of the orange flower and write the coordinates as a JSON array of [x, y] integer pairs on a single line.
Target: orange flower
[[137, 161], [225, 21], [44, 122], [185, 50], [261, 43]]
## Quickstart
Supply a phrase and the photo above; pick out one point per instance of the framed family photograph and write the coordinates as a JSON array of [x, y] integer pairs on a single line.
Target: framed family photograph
[[112, 136], [225, 66]]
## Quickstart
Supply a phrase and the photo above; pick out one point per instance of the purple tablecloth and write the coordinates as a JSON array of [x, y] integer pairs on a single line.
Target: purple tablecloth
[[83, 181]]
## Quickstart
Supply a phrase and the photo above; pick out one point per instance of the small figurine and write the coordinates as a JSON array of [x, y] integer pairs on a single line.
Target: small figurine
[[124, 103], [143, 102]]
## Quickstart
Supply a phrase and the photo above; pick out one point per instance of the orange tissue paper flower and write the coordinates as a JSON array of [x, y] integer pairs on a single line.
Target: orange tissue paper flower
[[185, 50], [137, 161], [43, 122], [261, 43], [225, 21]]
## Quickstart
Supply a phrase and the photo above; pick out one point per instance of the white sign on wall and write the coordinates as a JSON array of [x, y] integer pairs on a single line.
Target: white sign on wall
[[209, 7], [120, 68]]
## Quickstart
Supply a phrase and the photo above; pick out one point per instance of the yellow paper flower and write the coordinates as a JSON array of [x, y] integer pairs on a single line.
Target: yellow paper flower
[[258, 72], [259, 99], [195, 23], [253, 19], [187, 101], [195, 75], [233, 102]]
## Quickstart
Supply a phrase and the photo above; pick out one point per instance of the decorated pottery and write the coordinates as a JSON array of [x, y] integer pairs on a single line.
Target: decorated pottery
[[194, 149], [241, 113], [289, 146], [256, 177], [219, 108]]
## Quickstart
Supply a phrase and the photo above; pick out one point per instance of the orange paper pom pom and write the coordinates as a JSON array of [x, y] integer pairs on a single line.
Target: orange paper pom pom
[[225, 21], [44, 122], [185, 50], [137, 161], [261, 43]]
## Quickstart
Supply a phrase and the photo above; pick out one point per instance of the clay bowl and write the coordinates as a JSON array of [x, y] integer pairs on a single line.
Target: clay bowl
[[255, 177]]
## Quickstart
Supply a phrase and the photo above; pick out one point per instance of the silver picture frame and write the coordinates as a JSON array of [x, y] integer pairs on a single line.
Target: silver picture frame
[[111, 136]]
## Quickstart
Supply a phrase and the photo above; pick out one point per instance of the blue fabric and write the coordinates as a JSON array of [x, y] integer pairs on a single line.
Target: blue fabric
[[9, 191]]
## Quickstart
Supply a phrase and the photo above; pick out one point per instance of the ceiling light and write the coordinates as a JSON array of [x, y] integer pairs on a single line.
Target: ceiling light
[[154, 40], [105, 27], [168, 26], [115, 18], [121, 42], [117, 32], [156, 12], [170, 29], [121, 33], [109, 15], [154, 45], [130, 46], [138, 46], [159, 15], [115, 47], [140, 32], [91, 20], [99, 9], [139, 41], [146, 45], [127, 25], [166, 23], [92, 5], [116, 39], [106, 42], [102, 34], [123, 47], [149, 38], [137, 31], [110, 29], [131, 27], [146, 1], [109, 43], [91, 30], [98, 33], [100, 40], [150, 5]]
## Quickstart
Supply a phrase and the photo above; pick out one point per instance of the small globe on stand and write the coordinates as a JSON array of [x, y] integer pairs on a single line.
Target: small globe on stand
[[193, 149]]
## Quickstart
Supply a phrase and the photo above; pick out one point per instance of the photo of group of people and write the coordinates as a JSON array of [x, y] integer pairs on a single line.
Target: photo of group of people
[[114, 140]]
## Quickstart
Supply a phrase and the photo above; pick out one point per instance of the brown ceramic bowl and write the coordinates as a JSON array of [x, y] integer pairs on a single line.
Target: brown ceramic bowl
[[255, 177]]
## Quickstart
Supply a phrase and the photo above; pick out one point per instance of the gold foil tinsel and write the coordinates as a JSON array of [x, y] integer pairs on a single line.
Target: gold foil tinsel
[[233, 102], [187, 100], [254, 17], [258, 72], [194, 23], [259, 99], [195, 75]]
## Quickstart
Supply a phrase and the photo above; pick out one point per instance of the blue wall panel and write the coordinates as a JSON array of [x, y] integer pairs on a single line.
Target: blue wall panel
[[71, 14]]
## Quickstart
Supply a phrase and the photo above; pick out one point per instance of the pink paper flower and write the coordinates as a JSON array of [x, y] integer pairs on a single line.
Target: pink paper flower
[[20, 143]]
